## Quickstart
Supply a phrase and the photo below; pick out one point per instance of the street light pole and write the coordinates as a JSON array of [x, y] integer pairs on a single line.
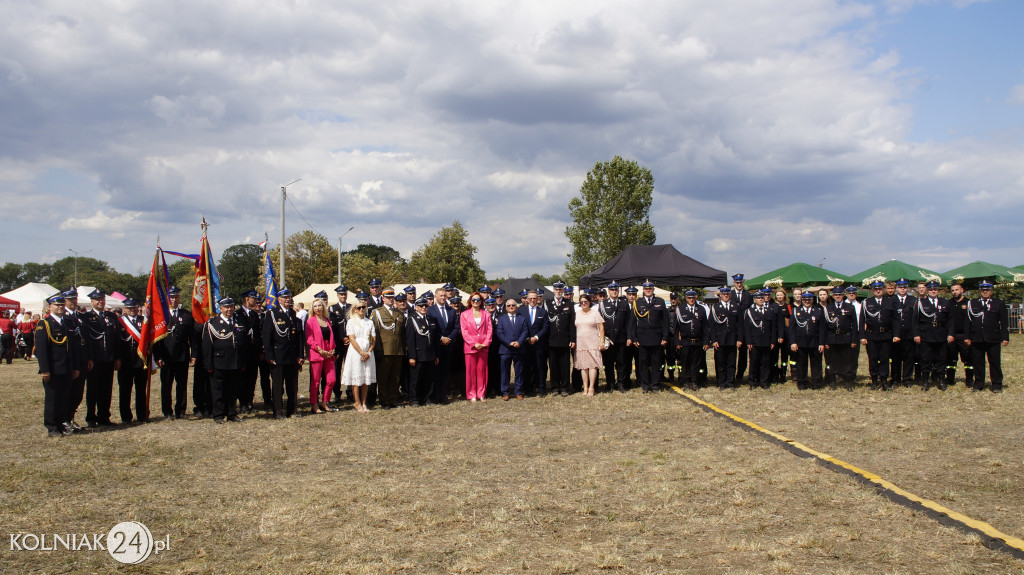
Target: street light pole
[[76, 252], [284, 196], [339, 251]]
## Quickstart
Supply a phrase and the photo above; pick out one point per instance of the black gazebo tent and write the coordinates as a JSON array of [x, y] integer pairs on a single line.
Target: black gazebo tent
[[662, 264], [513, 286]]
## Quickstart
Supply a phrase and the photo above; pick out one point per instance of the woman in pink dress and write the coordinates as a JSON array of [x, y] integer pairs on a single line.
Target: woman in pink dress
[[320, 339], [589, 343], [476, 341]]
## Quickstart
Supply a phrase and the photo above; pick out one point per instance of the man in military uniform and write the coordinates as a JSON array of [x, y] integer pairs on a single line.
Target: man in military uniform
[[692, 336], [174, 355], [375, 300], [561, 334], [920, 374], [851, 298], [224, 343], [725, 323], [101, 332], [249, 315], [879, 323], [493, 357], [841, 337], [338, 314], [931, 330], [957, 347], [57, 351], [616, 313], [421, 336], [742, 299], [761, 335], [648, 332], [807, 334], [389, 349], [903, 338], [284, 346], [74, 322], [134, 371], [988, 331], [671, 360]]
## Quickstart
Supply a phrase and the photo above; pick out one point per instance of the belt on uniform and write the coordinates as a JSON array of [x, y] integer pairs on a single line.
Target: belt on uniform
[[879, 330], [935, 324], [692, 340], [841, 332]]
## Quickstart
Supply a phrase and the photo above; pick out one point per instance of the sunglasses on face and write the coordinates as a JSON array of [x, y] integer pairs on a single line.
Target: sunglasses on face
[[360, 307], [476, 299]]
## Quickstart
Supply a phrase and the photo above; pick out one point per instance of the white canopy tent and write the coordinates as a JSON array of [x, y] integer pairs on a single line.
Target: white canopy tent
[[83, 298], [32, 296]]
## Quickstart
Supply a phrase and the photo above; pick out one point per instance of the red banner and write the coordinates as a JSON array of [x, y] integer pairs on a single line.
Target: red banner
[[202, 292]]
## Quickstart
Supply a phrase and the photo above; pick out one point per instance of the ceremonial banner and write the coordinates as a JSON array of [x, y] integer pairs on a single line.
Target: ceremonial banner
[[206, 290], [155, 310], [269, 280]]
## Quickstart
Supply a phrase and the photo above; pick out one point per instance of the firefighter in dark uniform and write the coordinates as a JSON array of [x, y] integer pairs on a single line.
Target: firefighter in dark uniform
[[692, 335], [562, 318], [374, 299], [422, 335], [74, 322], [133, 372], [174, 355], [878, 324], [57, 351], [988, 331], [725, 324], [760, 335], [743, 299], [841, 338], [249, 315], [101, 333], [903, 338], [931, 332], [671, 361], [224, 343], [616, 314], [956, 347], [807, 337], [284, 346], [338, 315], [648, 333]]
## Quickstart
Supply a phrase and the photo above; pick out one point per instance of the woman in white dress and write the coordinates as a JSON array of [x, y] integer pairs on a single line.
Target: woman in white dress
[[360, 369]]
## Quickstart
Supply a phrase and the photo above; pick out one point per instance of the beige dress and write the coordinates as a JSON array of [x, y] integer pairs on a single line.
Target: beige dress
[[588, 339]]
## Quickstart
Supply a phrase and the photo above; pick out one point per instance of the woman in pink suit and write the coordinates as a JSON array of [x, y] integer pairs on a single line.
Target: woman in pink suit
[[476, 341], [320, 340]]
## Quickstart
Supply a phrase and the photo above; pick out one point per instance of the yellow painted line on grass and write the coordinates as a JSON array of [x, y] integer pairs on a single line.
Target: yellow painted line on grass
[[1009, 543]]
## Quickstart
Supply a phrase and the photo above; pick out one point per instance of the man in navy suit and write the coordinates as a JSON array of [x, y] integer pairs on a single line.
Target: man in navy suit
[[537, 324], [448, 333], [512, 332]]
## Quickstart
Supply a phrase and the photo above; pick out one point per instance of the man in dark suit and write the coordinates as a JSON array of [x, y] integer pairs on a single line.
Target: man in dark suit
[[338, 314], [174, 354], [224, 343], [74, 323], [988, 329], [562, 317], [616, 314], [841, 337], [537, 325], [249, 315], [448, 338], [284, 346], [807, 334], [512, 332], [132, 375], [101, 332], [648, 332], [493, 358], [375, 300], [931, 331], [421, 332], [958, 349], [878, 323], [742, 299], [691, 336], [903, 338], [761, 335], [57, 351], [724, 333]]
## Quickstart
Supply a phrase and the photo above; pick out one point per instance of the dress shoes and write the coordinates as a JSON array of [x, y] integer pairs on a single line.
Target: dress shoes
[[235, 419], [218, 420], [504, 398], [519, 397], [52, 433]]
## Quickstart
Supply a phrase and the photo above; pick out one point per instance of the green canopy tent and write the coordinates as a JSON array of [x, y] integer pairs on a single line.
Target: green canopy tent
[[798, 275], [974, 272], [893, 270]]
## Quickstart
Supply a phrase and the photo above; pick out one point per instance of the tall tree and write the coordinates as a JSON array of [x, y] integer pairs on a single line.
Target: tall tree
[[377, 253], [448, 256], [309, 258], [239, 269], [90, 272], [611, 212], [10, 277]]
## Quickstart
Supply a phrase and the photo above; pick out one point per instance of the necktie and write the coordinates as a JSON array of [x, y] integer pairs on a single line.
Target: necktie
[[691, 309], [934, 303], [532, 314], [901, 301]]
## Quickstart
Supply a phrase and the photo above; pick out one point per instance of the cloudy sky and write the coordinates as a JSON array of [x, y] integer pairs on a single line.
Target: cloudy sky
[[849, 131]]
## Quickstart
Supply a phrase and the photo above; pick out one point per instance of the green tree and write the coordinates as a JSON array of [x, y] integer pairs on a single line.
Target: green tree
[[33, 272], [378, 254], [309, 258], [90, 272], [10, 277], [611, 212], [448, 256], [240, 269]]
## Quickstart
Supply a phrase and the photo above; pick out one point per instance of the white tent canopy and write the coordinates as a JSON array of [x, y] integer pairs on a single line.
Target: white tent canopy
[[307, 296], [32, 296], [83, 298]]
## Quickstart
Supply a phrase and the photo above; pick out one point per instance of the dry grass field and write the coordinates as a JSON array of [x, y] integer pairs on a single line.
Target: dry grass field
[[617, 483]]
